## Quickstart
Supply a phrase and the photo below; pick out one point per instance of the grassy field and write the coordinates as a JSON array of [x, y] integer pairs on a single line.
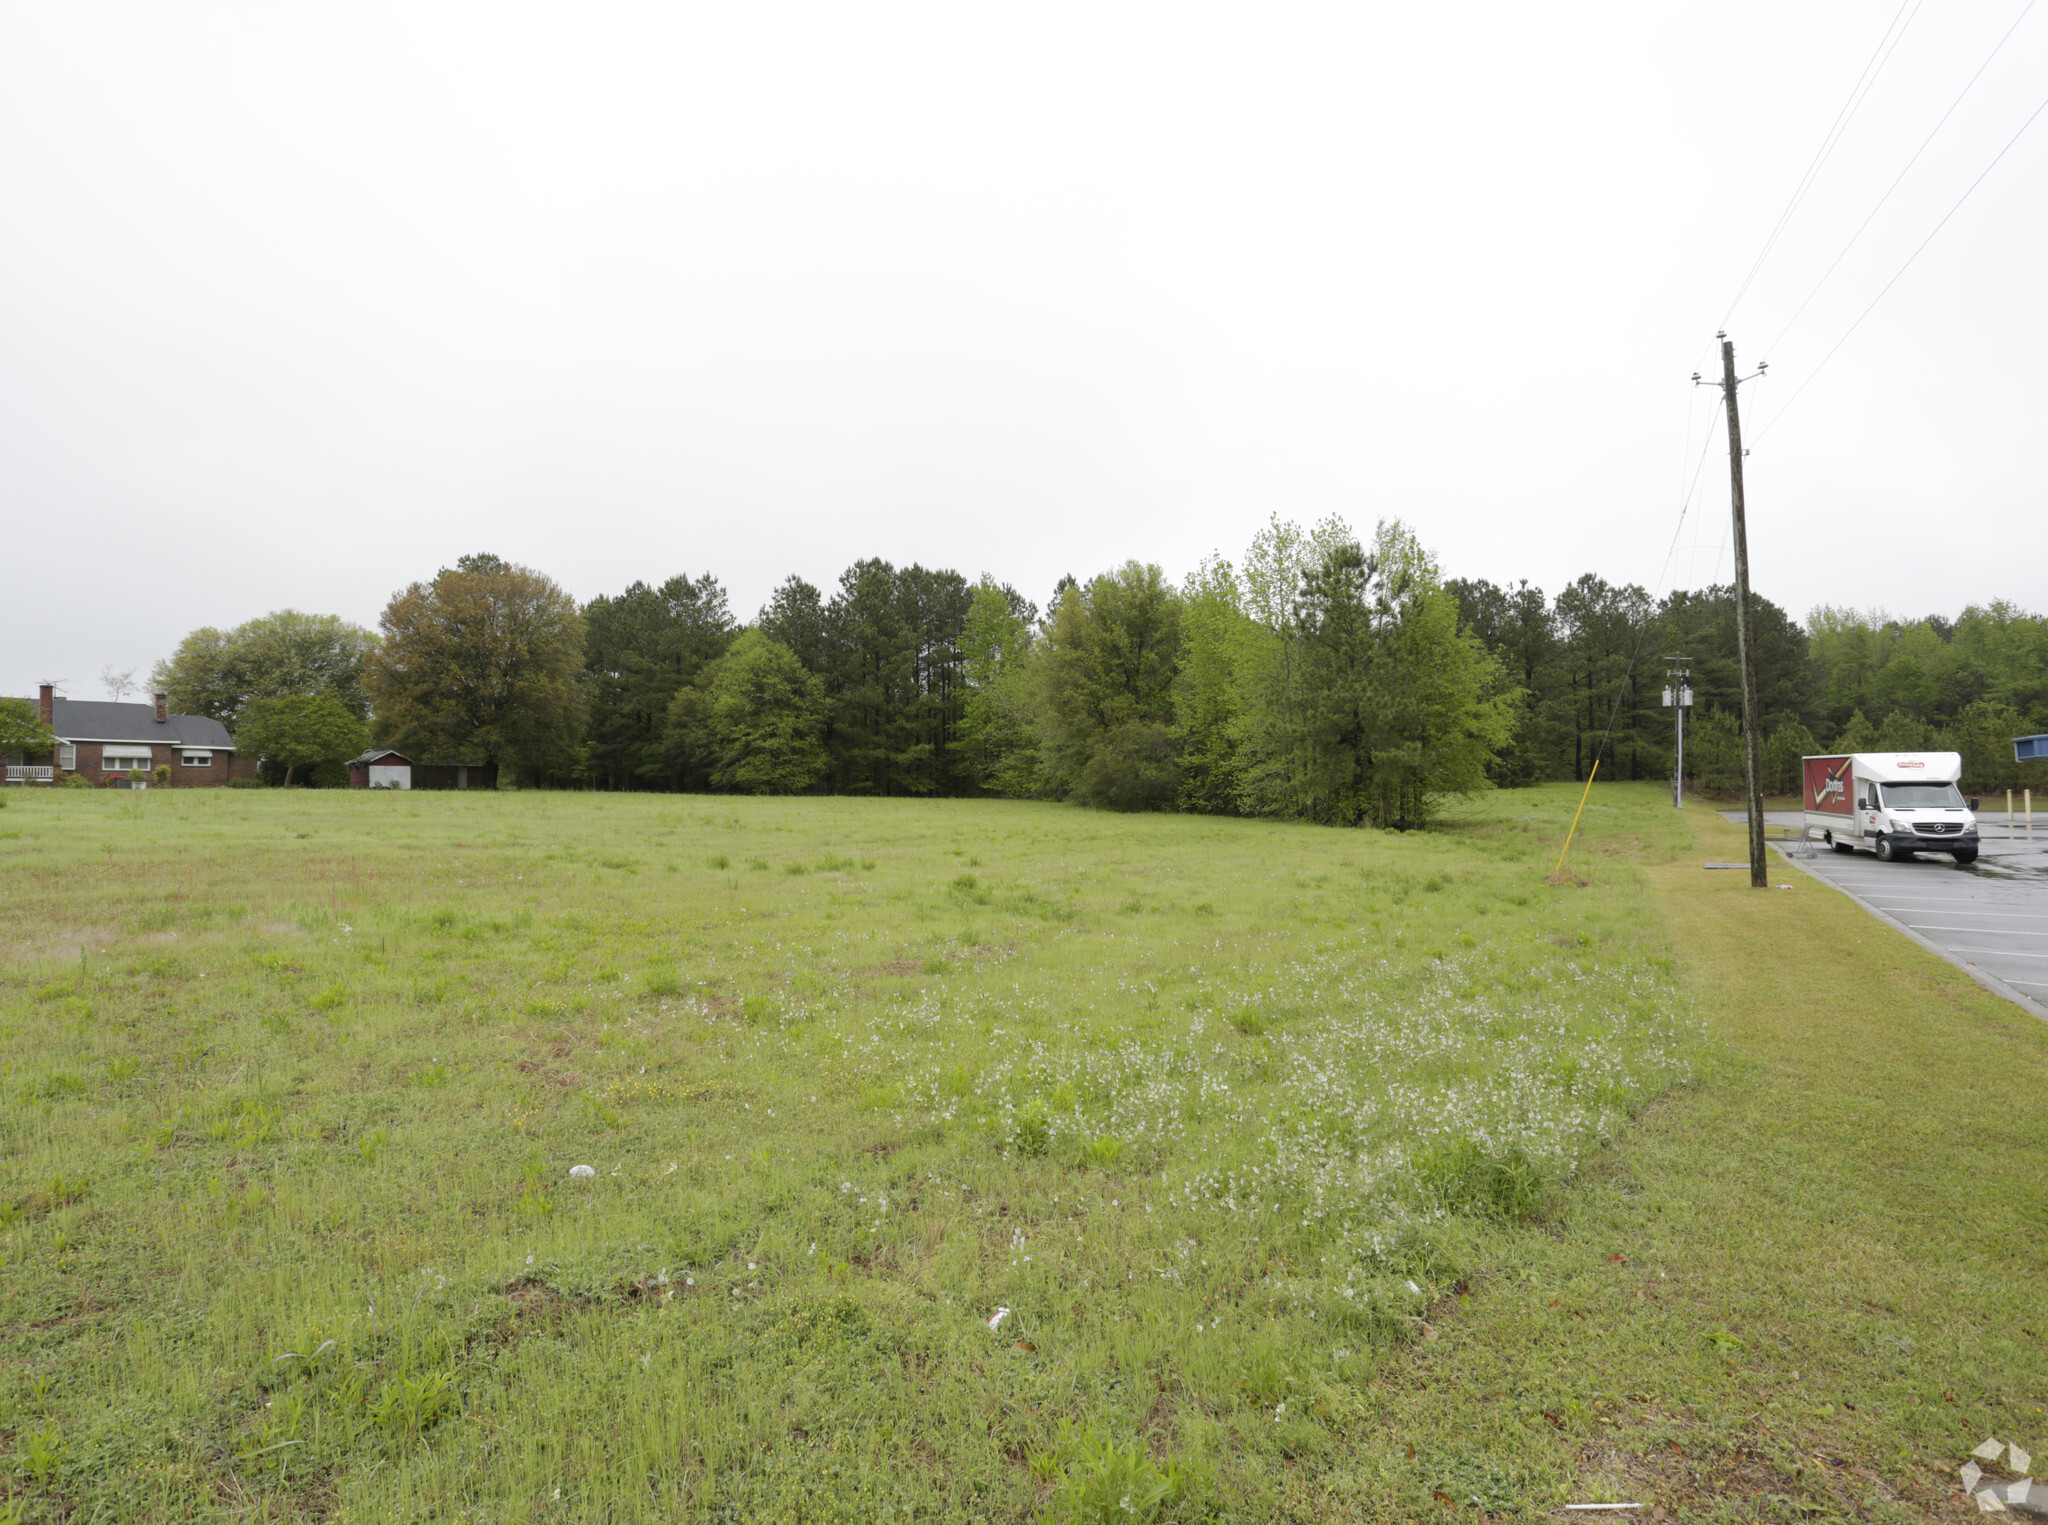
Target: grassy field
[[1301, 1160]]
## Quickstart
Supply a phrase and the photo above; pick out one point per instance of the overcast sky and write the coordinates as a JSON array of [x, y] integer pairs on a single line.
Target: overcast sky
[[300, 302]]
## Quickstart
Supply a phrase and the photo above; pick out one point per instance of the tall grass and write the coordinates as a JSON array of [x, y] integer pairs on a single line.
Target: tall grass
[[1215, 1109]]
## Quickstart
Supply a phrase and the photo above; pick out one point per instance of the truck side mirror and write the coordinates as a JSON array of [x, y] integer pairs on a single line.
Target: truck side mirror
[[1973, 802]]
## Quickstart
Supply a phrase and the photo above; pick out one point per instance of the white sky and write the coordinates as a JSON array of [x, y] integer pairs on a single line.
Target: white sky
[[299, 303]]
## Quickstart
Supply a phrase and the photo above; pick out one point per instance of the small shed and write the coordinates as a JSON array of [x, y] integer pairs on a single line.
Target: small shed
[[2030, 749], [380, 768], [383, 768]]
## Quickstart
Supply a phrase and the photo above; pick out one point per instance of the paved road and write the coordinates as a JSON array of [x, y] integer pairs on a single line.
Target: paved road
[[1990, 918]]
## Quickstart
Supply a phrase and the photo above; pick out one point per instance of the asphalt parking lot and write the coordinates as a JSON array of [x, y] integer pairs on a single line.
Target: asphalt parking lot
[[1990, 919]]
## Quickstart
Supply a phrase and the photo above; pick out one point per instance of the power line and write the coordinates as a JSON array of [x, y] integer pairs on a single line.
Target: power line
[[1858, 92], [1706, 446], [2029, 122], [1771, 348], [1649, 613]]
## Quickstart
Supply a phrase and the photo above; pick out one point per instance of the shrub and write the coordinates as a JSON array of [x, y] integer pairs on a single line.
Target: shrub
[[77, 781], [163, 773], [1102, 1152], [1034, 1134], [1461, 1176], [1109, 1482]]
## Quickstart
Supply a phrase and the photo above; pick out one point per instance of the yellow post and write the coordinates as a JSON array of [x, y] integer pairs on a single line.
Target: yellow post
[[2008, 809], [1575, 819], [2030, 812]]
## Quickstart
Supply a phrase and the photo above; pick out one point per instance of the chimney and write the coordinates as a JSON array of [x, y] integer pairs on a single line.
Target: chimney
[[162, 701], [46, 700]]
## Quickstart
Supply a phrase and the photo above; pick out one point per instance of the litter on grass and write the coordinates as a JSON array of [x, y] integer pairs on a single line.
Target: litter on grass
[[997, 1318], [581, 1172], [2017, 1494]]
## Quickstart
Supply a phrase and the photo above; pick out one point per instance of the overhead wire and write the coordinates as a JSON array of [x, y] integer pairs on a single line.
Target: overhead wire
[[1915, 159], [1713, 426], [1951, 212], [1887, 44], [1643, 629]]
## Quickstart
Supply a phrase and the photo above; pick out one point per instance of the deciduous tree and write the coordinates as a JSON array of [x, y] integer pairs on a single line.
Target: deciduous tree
[[215, 673], [1105, 674], [997, 738], [22, 732], [755, 721], [299, 729], [482, 664]]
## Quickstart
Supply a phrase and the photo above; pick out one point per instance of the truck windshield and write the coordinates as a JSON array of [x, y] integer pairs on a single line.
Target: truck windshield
[[1923, 796]]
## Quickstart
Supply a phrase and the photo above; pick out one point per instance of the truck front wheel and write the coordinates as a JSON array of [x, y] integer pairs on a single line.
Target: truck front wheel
[[1886, 853], [1964, 855]]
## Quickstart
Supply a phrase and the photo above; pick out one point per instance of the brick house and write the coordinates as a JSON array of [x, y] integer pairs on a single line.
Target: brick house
[[98, 741]]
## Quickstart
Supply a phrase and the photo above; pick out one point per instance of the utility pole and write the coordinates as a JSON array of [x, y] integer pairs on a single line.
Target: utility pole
[[1745, 645], [1678, 699]]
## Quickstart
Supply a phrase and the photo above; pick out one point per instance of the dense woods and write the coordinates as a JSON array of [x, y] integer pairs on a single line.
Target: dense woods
[[1322, 676]]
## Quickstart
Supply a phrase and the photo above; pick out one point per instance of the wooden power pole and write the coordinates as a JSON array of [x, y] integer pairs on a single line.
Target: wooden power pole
[[1745, 642]]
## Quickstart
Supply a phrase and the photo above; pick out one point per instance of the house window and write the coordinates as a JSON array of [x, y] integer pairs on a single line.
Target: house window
[[198, 759], [67, 757], [123, 759]]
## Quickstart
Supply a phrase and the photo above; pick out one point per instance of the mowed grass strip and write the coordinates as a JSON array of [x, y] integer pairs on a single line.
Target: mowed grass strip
[[1217, 1110], [1804, 1289]]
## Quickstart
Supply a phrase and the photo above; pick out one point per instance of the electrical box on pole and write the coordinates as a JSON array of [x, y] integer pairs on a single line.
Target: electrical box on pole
[[1678, 699]]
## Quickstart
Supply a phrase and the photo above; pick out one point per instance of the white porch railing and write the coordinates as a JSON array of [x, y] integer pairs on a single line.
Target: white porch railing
[[29, 773]]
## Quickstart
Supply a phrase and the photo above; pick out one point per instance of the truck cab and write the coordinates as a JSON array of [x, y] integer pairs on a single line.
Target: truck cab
[[1894, 804]]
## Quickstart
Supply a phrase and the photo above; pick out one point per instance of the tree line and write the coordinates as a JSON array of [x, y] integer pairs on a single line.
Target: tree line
[[1322, 676], [1595, 655]]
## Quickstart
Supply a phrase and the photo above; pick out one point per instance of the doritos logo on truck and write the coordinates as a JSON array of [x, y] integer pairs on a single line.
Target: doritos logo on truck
[[1827, 785]]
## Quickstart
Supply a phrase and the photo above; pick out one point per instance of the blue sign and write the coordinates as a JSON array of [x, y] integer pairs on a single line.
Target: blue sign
[[2030, 749]]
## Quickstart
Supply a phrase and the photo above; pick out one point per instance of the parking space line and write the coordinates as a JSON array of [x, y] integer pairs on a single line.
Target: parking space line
[[1957, 907], [1928, 926], [2023, 915], [1994, 952]]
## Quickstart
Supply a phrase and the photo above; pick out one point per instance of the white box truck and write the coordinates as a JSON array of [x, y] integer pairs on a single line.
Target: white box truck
[[1894, 803]]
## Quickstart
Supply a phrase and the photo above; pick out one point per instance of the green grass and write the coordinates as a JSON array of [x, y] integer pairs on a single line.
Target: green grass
[[294, 1084], [1803, 1289], [1215, 1108]]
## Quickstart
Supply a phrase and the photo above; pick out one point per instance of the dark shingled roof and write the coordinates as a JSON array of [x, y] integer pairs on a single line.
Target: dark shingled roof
[[97, 720]]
